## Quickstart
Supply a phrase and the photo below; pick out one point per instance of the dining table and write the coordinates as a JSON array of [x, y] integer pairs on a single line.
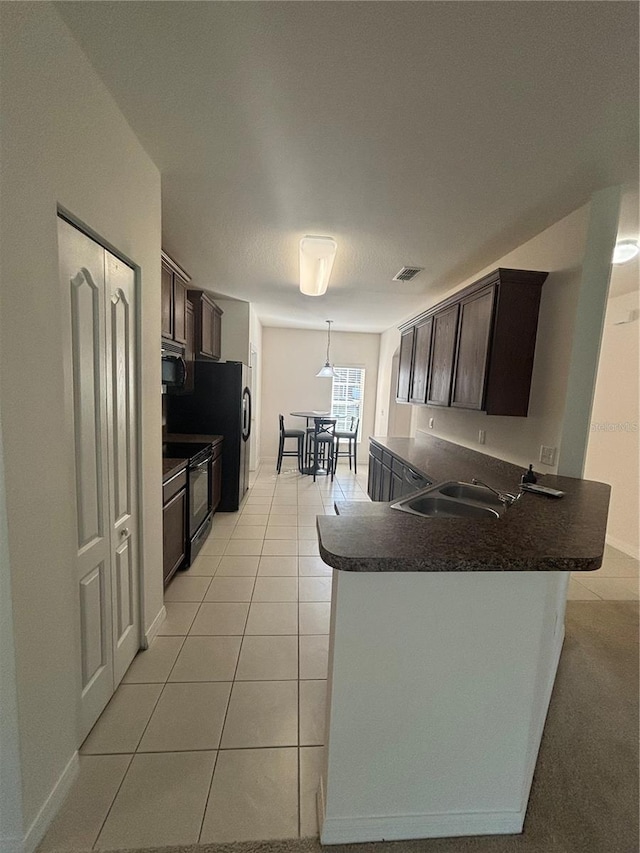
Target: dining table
[[310, 416]]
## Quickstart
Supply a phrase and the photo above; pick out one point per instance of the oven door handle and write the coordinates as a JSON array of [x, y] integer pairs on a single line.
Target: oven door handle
[[201, 464]]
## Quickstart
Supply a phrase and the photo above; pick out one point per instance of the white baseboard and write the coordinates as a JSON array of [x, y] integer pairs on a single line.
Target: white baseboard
[[50, 808], [345, 830], [351, 830], [625, 547], [152, 631]]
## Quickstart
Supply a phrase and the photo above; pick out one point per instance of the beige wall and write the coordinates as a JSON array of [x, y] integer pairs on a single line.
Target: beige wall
[[255, 347], [64, 143], [290, 360], [558, 250], [612, 454], [235, 329]]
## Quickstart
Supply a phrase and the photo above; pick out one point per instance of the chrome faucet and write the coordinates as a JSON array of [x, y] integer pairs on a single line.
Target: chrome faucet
[[504, 497]]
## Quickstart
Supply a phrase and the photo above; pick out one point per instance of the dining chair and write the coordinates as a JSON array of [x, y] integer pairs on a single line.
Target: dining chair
[[351, 435], [322, 443], [299, 435]]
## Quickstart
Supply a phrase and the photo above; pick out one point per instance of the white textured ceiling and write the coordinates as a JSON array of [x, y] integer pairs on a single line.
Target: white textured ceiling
[[435, 134]]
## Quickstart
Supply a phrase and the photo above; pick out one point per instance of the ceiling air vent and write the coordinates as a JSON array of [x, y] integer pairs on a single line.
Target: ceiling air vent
[[407, 273]]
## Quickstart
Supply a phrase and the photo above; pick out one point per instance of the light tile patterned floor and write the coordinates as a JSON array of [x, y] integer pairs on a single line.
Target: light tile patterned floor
[[216, 732]]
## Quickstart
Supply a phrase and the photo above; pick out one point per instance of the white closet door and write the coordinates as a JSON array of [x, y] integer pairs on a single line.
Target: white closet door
[[120, 328], [100, 361]]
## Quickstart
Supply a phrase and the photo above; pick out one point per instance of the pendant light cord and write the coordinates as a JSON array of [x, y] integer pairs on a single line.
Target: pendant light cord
[[328, 339]]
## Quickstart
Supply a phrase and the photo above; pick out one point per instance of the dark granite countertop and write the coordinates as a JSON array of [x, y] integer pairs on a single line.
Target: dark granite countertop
[[535, 534], [171, 467], [178, 437]]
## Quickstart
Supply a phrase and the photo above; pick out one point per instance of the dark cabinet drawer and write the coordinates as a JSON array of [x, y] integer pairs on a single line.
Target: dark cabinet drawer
[[397, 466], [173, 486]]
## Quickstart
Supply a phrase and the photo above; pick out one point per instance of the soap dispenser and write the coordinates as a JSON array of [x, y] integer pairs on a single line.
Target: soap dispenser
[[529, 476]]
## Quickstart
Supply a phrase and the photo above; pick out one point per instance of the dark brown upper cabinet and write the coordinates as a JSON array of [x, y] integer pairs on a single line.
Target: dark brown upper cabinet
[[421, 359], [443, 347], [174, 300], [474, 335], [480, 347], [208, 325], [189, 349], [404, 365], [167, 302], [179, 310]]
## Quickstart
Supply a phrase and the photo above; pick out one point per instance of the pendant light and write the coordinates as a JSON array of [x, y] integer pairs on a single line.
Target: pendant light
[[327, 371]]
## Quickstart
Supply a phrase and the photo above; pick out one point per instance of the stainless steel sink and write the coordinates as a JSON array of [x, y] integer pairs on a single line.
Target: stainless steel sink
[[471, 492], [453, 500]]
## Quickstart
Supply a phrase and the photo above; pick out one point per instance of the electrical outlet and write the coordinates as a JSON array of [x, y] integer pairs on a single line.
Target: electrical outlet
[[430, 423], [547, 455], [482, 434]]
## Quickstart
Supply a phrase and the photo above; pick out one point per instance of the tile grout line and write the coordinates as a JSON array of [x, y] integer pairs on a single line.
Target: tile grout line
[[124, 776], [135, 751], [226, 712], [307, 509]]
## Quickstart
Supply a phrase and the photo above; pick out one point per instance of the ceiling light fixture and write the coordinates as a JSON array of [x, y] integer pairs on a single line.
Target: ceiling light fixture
[[625, 251], [316, 261], [327, 371]]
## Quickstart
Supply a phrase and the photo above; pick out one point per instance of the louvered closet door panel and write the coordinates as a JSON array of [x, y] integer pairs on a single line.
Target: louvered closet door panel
[[82, 279]]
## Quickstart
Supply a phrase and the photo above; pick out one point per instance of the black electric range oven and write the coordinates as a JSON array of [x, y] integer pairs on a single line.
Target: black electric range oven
[[199, 490]]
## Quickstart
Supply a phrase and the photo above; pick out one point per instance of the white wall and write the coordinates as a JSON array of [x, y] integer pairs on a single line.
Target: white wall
[[255, 346], [235, 329], [389, 343], [11, 824], [558, 250], [290, 360], [612, 454], [64, 143]]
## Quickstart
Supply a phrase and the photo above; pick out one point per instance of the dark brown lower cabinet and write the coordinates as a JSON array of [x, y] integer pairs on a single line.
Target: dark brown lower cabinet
[[390, 478], [174, 524]]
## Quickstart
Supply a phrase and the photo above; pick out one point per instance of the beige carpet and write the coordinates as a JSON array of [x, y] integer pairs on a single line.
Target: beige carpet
[[585, 791]]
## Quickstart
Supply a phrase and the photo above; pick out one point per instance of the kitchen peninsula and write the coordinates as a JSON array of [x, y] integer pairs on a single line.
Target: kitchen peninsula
[[445, 640]]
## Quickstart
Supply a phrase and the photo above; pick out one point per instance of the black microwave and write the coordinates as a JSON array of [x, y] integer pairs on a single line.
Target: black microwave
[[174, 368]]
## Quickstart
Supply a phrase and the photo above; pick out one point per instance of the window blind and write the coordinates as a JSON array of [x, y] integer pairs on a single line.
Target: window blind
[[347, 395]]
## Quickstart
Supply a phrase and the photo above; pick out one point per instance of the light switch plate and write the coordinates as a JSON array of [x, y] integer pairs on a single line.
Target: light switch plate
[[430, 423], [482, 434], [547, 455]]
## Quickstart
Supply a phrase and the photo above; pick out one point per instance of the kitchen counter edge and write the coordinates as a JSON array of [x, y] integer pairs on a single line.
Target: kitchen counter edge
[[535, 534]]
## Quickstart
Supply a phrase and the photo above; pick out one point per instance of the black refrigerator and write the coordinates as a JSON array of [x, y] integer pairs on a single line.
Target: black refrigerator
[[219, 405]]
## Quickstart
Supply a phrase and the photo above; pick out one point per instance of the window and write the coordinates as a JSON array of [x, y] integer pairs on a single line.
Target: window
[[347, 395]]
